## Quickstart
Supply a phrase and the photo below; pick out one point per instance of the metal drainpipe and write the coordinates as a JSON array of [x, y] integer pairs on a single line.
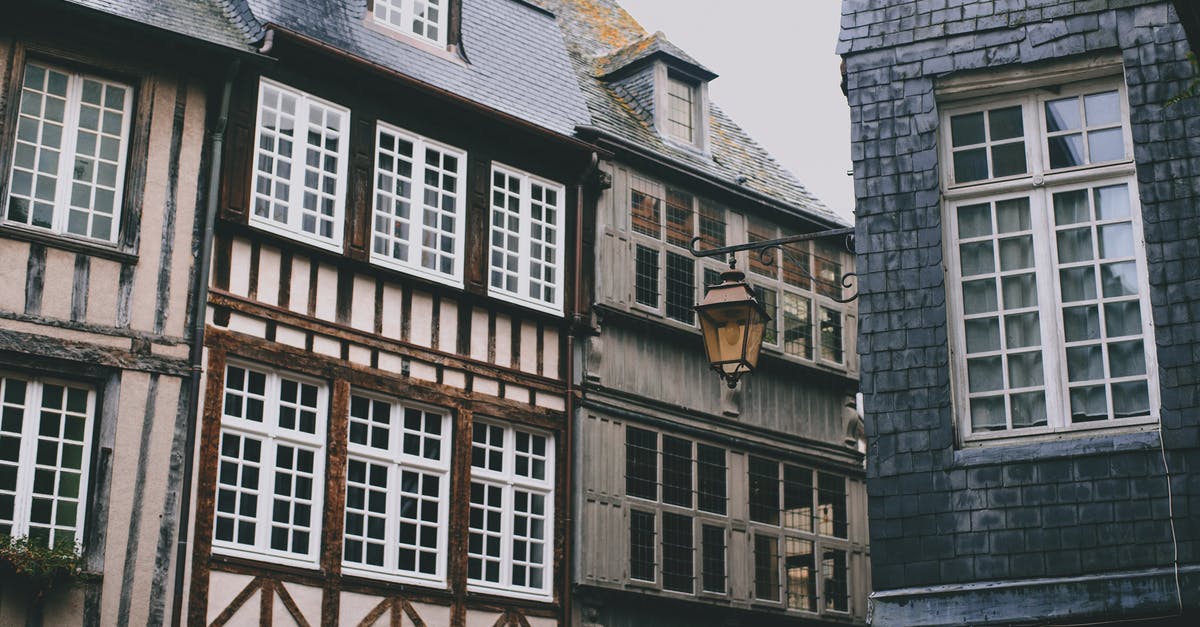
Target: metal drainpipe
[[572, 435], [196, 352]]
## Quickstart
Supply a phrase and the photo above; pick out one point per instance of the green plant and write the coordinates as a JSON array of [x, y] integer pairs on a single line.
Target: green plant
[[39, 567]]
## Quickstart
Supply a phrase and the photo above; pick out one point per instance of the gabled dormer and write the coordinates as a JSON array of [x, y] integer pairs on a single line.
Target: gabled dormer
[[665, 86]]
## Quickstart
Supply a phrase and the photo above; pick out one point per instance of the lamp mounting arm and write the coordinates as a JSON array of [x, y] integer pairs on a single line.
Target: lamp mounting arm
[[766, 249]]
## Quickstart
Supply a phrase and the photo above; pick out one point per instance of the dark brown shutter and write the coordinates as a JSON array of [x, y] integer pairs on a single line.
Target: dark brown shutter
[[476, 244], [358, 188], [239, 151]]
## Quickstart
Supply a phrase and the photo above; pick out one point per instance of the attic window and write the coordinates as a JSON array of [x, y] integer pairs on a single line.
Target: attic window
[[681, 110], [425, 19]]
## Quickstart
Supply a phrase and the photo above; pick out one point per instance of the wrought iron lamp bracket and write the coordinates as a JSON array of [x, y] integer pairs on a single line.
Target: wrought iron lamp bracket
[[766, 253]]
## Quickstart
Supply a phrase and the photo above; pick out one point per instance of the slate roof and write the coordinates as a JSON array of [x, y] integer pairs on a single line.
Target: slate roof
[[518, 63], [595, 30], [207, 20], [645, 48]]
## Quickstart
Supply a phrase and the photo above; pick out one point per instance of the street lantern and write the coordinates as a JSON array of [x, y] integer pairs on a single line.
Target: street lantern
[[732, 322]]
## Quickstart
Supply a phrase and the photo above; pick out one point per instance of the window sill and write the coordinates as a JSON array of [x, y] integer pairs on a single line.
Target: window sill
[[299, 237], [1062, 445], [477, 588], [524, 302], [63, 242]]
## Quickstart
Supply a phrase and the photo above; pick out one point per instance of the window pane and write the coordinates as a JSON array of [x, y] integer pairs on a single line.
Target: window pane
[[1126, 359], [1008, 159], [974, 220], [797, 325], [766, 567], [646, 277], [798, 498], [1103, 108], [1112, 202], [977, 258], [764, 491], [1066, 151], [831, 505], [1106, 145], [645, 211], [1016, 253], [1078, 284], [979, 296], [641, 463], [1020, 291], [967, 129], [485, 541], [758, 230], [677, 471], [1013, 215], [1005, 123], [983, 335], [835, 584], [1088, 404], [680, 220], [1081, 323], [681, 288], [713, 555], [801, 574], [1130, 399], [768, 299], [712, 225], [1029, 410], [1021, 330], [1123, 318], [1025, 370], [1062, 115], [505, 246], [970, 165], [985, 374], [831, 335], [1116, 240], [641, 545], [678, 569], [988, 414], [711, 471]]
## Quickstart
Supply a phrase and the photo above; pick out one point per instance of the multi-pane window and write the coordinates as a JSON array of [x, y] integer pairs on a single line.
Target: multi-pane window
[[526, 243], [45, 451], [797, 285], [798, 513], [69, 153], [681, 109], [691, 491], [300, 156], [665, 220], [270, 471], [511, 512], [1047, 266], [423, 18], [397, 489], [418, 209]]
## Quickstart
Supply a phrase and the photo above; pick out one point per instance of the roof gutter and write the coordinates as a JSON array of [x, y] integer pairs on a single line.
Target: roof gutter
[[460, 100], [731, 187]]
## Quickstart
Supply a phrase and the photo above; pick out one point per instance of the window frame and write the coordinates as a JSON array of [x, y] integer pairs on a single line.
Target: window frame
[[659, 508], [317, 442], [125, 209], [700, 210], [336, 241], [781, 533], [524, 272], [397, 460], [417, 204], [817, 300], [26, 463], [406, 10], [507, 480], [1039, 184]]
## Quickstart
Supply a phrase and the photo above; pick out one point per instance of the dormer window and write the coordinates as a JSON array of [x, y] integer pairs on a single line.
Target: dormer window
[[681, 110], [425, 19]]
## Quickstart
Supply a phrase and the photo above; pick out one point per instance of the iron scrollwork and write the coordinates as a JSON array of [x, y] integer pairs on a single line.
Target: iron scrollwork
[[766, 250]]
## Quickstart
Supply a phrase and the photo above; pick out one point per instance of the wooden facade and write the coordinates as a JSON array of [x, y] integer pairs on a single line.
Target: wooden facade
[[352, 325], [105, 318]]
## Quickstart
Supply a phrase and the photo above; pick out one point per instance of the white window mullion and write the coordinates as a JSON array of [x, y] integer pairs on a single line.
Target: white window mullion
[[1054, 371], [66, 156], [27, 457], [300, 147]]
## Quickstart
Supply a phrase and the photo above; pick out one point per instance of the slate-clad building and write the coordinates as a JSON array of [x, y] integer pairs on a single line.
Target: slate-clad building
[[105, 110], [1027, 240], [383, 433], [694, 504]]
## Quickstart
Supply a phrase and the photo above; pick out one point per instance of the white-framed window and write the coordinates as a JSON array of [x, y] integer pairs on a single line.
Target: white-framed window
[[270, 473], [526, 244], [69, 153], [301, 149], [420, 18], [45, 456], [397, 489], [419, 221], [678, 494], [511, 543], [1047, 280], [800, 527], [681, 109], [664, 220]]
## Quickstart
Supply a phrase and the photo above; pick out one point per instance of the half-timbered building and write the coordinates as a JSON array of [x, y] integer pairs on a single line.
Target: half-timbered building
[[104, 114], [694, 504], [383, 435]]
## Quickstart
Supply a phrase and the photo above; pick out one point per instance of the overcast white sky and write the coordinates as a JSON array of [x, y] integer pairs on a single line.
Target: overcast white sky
[[779, 78]]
